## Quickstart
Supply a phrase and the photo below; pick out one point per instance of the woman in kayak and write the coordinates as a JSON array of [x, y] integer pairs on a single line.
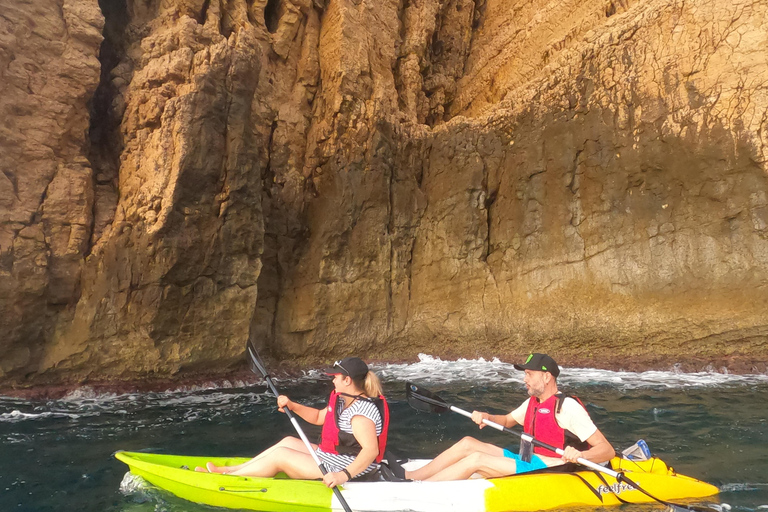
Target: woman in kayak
[[353, 438]]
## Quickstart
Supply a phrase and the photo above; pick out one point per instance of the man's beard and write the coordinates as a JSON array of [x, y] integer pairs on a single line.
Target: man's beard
[[534, 391]]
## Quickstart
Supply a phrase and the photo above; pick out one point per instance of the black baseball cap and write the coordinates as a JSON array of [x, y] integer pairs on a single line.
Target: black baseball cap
[[540, 363], [350, 367]]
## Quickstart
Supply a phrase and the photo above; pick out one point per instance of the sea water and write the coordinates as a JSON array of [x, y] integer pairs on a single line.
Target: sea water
[[56, 455]]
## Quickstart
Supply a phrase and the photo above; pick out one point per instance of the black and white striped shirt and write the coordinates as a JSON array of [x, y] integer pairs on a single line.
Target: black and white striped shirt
[[359, 407]]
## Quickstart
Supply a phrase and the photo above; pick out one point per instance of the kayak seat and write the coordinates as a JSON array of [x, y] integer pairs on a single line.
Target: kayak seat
[[373, 476], [391, 469], [386, 474]]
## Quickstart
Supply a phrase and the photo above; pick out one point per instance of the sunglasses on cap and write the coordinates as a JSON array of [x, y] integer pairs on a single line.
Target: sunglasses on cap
[[338, 364], [353, 367]]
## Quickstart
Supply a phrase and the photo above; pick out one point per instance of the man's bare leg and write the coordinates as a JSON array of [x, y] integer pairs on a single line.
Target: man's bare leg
[[486, 465], [452, 455]]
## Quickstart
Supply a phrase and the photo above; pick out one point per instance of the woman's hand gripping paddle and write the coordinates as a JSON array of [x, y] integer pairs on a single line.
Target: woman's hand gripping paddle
[[424, 400], [258, 368]]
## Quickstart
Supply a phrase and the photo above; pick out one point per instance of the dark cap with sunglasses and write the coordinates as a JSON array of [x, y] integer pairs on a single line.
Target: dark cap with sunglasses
[[350, 367]]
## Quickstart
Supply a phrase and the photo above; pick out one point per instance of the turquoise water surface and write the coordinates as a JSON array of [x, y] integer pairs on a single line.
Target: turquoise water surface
[[56, 455]]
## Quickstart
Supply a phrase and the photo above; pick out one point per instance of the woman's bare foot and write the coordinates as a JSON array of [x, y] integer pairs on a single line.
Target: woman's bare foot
[[213, 468], [201, 469]]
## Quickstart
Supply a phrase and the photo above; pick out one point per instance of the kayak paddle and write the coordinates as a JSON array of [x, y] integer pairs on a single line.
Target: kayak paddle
[[424, 400], [258, 367]]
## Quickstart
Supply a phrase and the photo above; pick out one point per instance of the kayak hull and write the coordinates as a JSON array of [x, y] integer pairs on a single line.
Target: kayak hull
[[517, 493], [175, 474]]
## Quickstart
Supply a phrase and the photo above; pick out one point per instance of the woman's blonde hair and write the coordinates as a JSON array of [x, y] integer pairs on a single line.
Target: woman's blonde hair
[[372, 386]]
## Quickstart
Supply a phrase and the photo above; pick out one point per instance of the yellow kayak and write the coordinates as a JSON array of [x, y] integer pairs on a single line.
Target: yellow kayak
[[516, 493]]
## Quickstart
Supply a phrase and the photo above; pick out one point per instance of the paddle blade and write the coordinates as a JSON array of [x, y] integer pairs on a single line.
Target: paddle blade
[[526, 450], [676, 507], [424, 400], [254, 361]]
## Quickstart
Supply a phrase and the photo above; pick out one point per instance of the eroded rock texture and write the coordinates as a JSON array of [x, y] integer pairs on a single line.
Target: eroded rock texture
[[380, 178], [48, 72], [599, 191]]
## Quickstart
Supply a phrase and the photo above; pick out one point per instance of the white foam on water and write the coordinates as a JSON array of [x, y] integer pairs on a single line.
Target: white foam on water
[[132, 484], [85, 403], [17, 438], [435, 370], [745, 486], [85, 393], [16, 415], [211, 399]]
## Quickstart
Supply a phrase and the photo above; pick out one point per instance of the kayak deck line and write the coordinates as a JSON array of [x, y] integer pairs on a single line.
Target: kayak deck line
[[229, 489], [525, 492]]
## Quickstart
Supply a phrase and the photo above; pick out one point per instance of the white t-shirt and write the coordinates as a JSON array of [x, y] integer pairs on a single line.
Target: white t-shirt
[[572, 417]]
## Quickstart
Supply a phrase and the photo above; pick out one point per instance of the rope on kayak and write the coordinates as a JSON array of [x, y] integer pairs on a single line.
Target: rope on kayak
[[622, 500], [621, 477], [589, 486], [224, 489], [675, 506]]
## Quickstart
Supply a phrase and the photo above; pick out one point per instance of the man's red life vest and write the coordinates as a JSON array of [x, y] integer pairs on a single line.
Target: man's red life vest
[[540, 422], [333, 440]]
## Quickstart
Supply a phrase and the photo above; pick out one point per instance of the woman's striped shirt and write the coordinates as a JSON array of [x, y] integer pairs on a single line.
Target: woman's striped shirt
[[360, 407]]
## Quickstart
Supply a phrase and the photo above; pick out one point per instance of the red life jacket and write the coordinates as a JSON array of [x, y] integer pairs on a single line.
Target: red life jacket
[[540, 422], [333, 440]]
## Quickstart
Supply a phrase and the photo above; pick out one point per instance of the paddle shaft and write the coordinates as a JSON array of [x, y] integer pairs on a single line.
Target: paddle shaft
[[536, 442], [298, 428], [273, 389]]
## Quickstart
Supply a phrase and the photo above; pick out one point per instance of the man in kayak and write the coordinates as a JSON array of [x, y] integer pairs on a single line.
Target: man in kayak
[[547, 415], [353, 438]]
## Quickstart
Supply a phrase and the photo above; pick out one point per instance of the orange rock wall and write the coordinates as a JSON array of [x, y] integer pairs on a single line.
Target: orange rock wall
[[380, 178]]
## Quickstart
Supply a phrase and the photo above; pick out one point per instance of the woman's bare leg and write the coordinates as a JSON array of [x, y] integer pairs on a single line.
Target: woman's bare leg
[[295, 464], [452, 455], [293, 443]]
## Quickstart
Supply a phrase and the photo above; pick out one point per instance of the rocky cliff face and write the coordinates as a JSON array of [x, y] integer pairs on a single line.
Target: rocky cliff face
[[380, 178], [49, 72]]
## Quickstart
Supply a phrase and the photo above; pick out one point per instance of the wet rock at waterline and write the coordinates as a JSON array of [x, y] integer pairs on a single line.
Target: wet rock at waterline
[[329, 177]]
